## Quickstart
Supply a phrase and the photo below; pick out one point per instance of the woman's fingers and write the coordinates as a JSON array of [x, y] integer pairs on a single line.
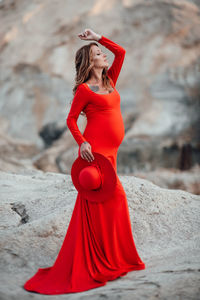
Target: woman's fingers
[[86, 152], [81, 35], [87, 155], [87, 34], [84, 33], [90, 152]]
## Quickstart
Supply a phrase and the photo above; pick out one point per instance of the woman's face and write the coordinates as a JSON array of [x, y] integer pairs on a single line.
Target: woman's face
[[98, 57]]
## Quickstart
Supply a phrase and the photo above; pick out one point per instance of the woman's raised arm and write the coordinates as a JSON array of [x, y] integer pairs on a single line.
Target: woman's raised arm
[[119, 53]]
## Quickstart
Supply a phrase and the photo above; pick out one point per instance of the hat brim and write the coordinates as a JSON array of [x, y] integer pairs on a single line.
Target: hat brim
[[107, 188]]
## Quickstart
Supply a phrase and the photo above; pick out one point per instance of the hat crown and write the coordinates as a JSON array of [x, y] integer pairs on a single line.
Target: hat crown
[[90, 178]]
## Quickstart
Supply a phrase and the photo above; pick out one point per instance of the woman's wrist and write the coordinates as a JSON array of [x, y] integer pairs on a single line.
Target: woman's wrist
[[98, 37], [83, 143]]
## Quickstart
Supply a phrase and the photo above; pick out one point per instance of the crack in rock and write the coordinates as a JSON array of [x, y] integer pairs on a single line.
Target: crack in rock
[[181, 271], [20, 209]]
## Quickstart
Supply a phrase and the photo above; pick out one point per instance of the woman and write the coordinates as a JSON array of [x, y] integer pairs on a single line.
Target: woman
[[98, 245]]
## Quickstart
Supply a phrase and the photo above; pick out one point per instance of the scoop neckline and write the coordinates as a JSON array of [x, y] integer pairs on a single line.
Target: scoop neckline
[[85, 84]]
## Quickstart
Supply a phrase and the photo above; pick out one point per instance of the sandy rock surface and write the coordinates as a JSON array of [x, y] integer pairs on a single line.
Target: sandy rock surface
[[35, 210]]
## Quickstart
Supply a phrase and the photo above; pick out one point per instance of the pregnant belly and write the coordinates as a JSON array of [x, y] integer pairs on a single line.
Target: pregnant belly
[[106, 130]]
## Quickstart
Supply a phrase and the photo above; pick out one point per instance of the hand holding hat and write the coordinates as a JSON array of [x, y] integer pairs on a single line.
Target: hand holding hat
[[96, 180]]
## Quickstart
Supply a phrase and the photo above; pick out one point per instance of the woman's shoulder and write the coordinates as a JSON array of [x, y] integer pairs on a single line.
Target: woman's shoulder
[[80, 87]]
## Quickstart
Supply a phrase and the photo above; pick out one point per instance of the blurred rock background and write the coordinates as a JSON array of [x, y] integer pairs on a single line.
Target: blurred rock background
[[159, 85]]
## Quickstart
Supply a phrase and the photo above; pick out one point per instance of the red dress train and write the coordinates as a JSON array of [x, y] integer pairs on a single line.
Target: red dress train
[[99, 244]]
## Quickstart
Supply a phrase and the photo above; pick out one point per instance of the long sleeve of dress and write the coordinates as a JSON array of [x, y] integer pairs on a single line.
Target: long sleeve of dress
[[119, 53], [80, 100]]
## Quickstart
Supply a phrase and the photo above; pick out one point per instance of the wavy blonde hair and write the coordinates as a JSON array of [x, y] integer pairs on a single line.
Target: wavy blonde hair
[[83, 65]]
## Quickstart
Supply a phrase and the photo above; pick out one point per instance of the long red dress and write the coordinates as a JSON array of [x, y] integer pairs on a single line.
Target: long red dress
[[99, 244]]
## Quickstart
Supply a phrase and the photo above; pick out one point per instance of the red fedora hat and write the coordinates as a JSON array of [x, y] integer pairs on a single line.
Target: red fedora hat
[[96, 180]]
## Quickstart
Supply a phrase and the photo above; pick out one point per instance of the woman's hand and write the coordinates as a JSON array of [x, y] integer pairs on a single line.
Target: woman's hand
[[86, 153], [89, 35]]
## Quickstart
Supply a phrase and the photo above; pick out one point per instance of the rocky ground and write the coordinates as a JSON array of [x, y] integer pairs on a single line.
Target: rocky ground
[[159, 82], [35, 210]]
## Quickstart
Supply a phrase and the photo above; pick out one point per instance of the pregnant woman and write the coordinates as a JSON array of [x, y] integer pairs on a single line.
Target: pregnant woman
[[99, 244]]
